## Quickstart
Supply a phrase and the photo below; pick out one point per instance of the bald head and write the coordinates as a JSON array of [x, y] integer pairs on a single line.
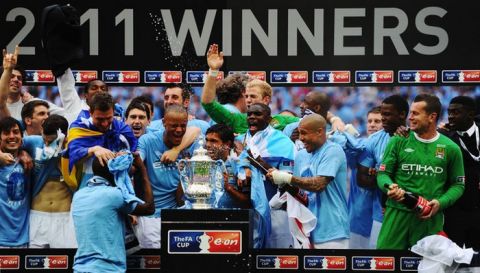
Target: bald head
[[312, 132], [316, 101], [313, 122]]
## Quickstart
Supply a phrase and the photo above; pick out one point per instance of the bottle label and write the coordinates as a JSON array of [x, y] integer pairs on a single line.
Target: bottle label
[[422, 206]]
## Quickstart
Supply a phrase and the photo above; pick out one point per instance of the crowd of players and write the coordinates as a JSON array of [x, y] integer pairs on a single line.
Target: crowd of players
[[66, 180]]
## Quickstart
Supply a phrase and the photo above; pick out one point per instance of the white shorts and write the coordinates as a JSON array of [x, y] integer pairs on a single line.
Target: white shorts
[[51, 230], [333, 244], [280, 236], [376, 226], [358, 241], [147, 231]]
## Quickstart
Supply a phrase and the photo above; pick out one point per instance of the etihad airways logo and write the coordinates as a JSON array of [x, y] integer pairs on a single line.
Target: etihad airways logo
[[418, 169]]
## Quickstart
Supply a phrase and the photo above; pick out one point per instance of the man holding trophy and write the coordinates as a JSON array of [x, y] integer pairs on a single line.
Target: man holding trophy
[[164, 177], [219, 144]]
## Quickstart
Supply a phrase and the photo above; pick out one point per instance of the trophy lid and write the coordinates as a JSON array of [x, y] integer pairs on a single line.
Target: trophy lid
[[200, 154]]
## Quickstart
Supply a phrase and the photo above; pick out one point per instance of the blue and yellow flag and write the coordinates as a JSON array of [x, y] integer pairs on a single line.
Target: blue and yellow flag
[[83, 135]]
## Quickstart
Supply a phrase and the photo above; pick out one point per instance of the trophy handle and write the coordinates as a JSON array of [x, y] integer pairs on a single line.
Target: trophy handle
[[182, 167], [219, 175]]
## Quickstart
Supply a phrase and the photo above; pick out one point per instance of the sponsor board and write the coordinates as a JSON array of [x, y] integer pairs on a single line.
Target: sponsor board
[[84, 76], [277, 262], [409, 263], [331, 77], [417, 76], [121, 76], [325, 262], [162, 77], [459, 76], [373, 263], [288, 77], [374, 76], [40, 76], [46, 262], [204, 242]]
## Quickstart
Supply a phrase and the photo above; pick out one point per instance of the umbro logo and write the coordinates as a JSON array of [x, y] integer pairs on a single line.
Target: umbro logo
[[409, 150]]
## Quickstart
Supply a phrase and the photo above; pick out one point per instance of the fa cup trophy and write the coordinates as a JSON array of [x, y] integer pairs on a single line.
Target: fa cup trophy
[[201, 178]]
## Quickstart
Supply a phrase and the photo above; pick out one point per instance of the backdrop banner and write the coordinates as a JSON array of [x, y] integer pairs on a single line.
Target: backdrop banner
[[347, 42]]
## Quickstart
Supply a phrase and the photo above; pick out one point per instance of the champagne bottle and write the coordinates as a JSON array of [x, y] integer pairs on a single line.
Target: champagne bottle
[[414, 202]]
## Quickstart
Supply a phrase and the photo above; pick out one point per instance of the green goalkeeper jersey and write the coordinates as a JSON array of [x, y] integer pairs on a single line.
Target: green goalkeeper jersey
[[430, 168]]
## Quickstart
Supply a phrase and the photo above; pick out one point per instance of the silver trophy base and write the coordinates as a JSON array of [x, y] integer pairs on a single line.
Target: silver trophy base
[[201, 204]]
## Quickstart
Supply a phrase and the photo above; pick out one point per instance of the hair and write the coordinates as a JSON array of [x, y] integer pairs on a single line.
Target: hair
[[102, 171], [89, 84], [186, 89], [137, 105], [375, 110], [144, 99], [177, 109], [7, 123], [433, 104], [264, 107], [20, 69], [231, 89], [467, 102], [398, 102], [101, 101], [265, 88], [29, 107], [224, 132], [53, 123], [288, 111]]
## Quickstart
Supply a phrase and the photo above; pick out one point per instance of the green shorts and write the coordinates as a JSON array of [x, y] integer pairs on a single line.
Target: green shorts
[[402, 229]]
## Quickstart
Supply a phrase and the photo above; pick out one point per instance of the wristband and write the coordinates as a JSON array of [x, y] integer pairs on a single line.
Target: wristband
[[281, 177], [213, 73]]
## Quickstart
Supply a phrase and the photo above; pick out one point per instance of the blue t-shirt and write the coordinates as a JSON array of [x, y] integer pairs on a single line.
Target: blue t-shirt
[[227, 201], [360, 202], [371, 158], [157, 125], [99, 213], [14, 206], [164, 178], [330, 205], [44, 168]]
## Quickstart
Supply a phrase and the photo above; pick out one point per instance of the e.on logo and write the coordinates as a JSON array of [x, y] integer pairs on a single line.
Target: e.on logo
[[225, 241], [9, 262]]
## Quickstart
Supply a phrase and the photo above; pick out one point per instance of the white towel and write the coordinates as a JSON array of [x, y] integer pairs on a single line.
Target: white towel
[[440, 255], [301, 220]]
